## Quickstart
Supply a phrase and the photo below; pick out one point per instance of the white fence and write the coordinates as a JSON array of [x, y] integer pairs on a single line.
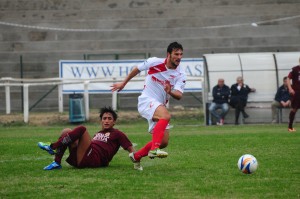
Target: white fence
[[9, 82]]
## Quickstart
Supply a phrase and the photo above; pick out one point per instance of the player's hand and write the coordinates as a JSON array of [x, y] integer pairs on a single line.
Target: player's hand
[[292, 92], [167, 87], [117, 86]]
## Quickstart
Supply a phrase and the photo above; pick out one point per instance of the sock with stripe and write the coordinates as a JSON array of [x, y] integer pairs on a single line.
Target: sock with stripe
[[69, 137]]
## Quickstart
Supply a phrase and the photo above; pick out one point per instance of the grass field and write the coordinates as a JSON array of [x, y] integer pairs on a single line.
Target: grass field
[[202, 163]]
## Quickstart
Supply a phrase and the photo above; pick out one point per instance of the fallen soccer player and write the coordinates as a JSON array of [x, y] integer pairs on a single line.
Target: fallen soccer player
[[87, 152]]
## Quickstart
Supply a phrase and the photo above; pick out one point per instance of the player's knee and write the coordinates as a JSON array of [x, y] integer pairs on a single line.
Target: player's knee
[[81, 128], [166, 116], [65, 131]]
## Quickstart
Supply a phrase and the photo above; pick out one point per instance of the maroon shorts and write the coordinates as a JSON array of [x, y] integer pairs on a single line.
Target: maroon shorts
[[295, 100], [91, 159]]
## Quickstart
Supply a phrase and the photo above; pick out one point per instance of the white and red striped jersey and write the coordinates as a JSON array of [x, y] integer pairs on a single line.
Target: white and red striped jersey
[[158, 75]]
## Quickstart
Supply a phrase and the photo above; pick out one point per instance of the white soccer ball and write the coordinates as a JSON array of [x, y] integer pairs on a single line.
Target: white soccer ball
[[247, 164]]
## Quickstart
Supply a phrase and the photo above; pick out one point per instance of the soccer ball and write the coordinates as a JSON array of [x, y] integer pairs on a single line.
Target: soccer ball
[[247, 164]]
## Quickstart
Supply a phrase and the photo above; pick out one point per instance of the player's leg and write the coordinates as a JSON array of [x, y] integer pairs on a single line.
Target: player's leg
[[158, 118], [69, 138], [137, 156], [295, 105], [59, 153], [162, 116], [64, 140], [291, 119], [84, 143], [165, 140], [47, 145], [61, 150]]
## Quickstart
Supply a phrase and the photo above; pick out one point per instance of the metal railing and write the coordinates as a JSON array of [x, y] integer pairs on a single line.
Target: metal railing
[[8, 82]]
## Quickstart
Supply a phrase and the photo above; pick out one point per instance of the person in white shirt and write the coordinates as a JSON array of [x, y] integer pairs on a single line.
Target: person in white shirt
[[165, 78]]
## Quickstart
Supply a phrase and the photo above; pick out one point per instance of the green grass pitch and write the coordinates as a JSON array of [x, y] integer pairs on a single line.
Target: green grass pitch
[[202, 163]]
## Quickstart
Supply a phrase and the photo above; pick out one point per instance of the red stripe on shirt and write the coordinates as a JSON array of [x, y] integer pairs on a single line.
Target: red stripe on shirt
[[157, 69]]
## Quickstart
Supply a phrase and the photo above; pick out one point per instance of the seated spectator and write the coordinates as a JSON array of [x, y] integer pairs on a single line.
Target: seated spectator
[[282, 99], [221, 94], [239, 98]]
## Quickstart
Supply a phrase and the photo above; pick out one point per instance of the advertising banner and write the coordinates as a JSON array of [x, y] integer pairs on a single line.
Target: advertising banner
[[119, 69]]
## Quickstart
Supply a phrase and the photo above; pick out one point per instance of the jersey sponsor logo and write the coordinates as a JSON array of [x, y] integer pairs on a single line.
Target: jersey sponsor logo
[[157, 80], [102, 137], [161, 82]]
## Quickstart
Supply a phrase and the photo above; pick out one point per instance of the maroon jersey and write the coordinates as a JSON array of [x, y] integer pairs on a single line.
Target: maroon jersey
[[107, 143], [294, 75]]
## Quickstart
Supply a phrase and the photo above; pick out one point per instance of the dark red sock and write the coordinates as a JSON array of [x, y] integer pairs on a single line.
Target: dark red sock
[[60, 153], [143, 151], [69, 138], [291, 119], [158, 133]]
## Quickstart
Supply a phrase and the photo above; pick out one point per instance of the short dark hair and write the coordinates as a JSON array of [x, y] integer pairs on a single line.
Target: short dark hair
[[174, 46], [108, 110], [285, 78]]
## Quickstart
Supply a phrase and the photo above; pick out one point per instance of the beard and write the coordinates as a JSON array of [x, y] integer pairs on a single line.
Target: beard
[[174, 63]]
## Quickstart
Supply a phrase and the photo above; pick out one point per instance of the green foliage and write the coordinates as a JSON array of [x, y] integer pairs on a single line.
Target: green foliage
[[202, 163]]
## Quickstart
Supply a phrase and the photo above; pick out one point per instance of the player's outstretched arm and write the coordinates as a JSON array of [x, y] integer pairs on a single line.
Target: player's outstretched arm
[[120, 85]]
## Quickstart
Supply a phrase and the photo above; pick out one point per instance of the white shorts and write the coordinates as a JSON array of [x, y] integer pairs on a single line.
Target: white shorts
[[147, 107]]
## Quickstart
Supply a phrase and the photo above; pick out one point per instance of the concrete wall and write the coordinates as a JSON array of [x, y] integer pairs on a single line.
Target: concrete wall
[[135, 26]]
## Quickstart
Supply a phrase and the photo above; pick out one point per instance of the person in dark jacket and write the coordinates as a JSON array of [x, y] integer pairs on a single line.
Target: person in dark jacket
[[282, 99], [239, 98], [221, 94]]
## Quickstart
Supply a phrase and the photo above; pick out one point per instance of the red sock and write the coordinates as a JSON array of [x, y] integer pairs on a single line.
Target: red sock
[[158, 133], [143, 151], [69, 138]]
